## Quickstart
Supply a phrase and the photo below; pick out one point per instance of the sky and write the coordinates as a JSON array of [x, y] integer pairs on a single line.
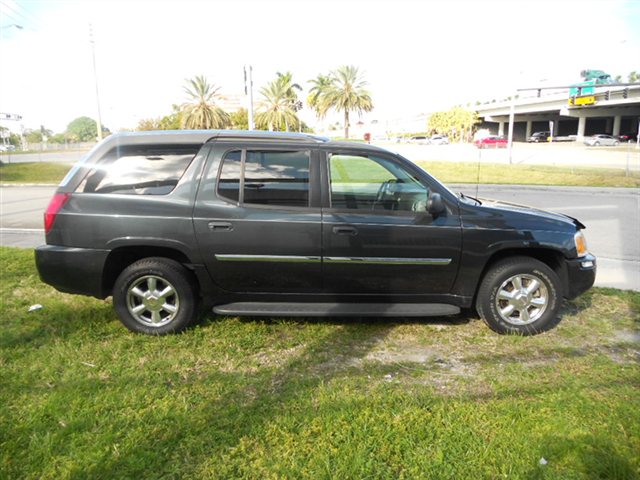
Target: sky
[[417, 56]]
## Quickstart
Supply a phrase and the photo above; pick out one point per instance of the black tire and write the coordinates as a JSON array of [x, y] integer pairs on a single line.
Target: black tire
[[156, 296], [596, 144], [616, 143], [510, 302]]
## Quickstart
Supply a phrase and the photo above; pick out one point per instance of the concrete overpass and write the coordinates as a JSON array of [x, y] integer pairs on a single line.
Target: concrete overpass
[[615, 110]]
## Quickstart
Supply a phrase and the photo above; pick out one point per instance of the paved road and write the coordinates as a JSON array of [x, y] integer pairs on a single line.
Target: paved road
[[612, 217]]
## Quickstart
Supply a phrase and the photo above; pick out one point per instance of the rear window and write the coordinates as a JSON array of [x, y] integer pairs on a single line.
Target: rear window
[[140, 169]]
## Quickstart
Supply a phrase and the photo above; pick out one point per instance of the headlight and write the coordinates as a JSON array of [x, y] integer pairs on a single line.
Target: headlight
[[581, 243]]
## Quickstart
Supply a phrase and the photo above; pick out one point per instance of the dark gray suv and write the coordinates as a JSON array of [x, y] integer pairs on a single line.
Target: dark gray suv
[[257, 223]]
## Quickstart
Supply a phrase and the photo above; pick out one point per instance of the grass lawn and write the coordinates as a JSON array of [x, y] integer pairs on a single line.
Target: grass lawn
[[447, 172], [40, 172], [325, 398]]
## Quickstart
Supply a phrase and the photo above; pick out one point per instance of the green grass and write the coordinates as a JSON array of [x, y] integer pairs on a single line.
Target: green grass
[[297, 398], [448, 172], [43, 172]]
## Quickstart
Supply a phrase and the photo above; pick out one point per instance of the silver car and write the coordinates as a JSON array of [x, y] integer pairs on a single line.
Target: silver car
[[601, 139]]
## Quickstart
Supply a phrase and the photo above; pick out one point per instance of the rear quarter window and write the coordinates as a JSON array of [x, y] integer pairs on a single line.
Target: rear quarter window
[[139, 169]]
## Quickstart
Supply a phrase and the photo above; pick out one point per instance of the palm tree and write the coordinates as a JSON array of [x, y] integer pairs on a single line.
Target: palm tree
[[346, 93], [320, 85], [277, 110], [202, 112], [290, 88]]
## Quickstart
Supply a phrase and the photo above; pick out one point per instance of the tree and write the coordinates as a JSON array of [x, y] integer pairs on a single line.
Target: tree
[[346, 93], [173, 121], [276, 111], [240, 119], [84, 129], [290, 88], [319, 87], [201, 112], [36, 136], [457, 123], [634, 77]]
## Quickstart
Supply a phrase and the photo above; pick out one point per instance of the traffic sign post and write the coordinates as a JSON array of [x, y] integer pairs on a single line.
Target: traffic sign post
[[10, 116]]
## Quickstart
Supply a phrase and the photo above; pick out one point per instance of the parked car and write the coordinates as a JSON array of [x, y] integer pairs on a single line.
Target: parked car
[[273, 224], [539, 137], [627, 138], [492, 141], [439, 140], [419, 139], [601, 139], [7, 148]]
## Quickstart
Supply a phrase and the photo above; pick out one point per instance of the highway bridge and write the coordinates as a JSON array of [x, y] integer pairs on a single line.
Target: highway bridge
[[609, 109]]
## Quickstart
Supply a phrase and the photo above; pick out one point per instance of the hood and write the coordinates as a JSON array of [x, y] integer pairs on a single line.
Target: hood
[[523, 209]]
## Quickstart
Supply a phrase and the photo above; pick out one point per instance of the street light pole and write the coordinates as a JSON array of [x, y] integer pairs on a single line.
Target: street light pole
[[248, 90], [95, 76]]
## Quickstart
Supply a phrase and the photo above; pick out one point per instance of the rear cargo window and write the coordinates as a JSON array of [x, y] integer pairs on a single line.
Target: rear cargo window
[[140, 169]]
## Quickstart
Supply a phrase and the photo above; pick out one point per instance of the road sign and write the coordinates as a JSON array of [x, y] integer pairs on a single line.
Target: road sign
[[584, 88], [10, 116], [588, 100]]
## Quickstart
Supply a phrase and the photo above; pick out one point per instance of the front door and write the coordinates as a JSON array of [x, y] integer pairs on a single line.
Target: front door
[[378, 237]]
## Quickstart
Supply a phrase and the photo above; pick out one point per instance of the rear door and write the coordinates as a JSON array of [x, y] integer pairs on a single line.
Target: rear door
[[378, 237], [257, 219]]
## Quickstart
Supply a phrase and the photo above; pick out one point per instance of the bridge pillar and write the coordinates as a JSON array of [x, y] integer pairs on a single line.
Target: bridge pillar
[[500, 128], [529, 128], [617, 120], [582, 123]]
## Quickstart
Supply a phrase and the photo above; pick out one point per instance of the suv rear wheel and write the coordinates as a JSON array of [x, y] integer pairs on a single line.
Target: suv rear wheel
[[155, 296], [519, 295]]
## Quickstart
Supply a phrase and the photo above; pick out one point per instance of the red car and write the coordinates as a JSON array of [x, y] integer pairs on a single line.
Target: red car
[[492, 141]]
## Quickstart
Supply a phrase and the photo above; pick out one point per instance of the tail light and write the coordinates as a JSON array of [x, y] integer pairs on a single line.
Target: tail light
[[56, 203]]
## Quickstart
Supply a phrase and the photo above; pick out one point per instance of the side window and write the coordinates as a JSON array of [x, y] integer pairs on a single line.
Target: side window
[[279, 178], [140, 169], [229, 182], [374, 183]]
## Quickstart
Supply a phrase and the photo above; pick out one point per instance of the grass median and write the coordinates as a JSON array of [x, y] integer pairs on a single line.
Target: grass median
[[446, 172], [313, 398]]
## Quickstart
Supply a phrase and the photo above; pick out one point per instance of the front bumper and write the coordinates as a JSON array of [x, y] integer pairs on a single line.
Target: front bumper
[[72, 270], [581, 273]]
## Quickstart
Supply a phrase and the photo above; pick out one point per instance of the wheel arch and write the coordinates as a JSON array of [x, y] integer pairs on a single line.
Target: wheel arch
[[121, 257], [552, 258]]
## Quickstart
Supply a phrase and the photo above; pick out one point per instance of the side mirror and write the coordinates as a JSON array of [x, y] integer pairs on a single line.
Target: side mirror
[[435, 205]]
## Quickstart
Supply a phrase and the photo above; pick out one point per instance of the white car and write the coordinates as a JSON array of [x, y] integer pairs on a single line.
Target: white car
[[601, 139], [419, 139], [439, 140], [7, 148]]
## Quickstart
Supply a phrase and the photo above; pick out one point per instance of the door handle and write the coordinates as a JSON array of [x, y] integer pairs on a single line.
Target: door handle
[[345, 231], [220, 226]]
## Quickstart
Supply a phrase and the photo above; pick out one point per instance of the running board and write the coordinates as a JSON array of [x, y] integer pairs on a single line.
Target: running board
[[290, 309]]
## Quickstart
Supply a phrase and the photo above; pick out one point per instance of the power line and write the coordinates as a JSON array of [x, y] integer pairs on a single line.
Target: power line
[[17, 16], [29, 15]]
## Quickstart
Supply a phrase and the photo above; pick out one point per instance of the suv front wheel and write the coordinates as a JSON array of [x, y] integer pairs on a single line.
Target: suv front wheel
[[519, 295], [155, 296]]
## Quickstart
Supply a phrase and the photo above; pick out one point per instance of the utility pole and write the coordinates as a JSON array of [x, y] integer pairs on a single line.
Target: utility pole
[[95, 76], [248, 90]]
